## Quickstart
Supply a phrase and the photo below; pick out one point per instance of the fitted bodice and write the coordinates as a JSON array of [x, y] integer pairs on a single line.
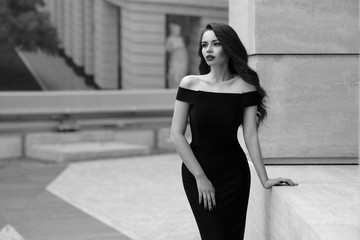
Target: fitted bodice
[[215, 117]]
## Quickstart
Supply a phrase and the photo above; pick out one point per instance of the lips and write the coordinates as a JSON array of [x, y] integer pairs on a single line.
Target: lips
[[210, 57]]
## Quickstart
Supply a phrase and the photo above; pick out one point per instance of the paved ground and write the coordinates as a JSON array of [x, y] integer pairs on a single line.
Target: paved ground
[[35, 213], [133, 198]]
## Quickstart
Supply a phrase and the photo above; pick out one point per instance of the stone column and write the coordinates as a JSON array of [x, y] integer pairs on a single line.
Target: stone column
[[106, 44], [68, 22], [59, 5], [78, 33], [306, 55], [89, 37]]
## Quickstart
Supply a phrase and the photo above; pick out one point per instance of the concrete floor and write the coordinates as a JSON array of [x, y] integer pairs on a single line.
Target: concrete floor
[[29, 211], [132, 198]]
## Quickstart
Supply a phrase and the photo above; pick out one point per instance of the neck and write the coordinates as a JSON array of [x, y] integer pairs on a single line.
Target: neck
[[220, 74]]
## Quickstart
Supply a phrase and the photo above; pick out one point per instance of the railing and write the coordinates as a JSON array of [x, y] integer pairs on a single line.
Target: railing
[[26, 110]]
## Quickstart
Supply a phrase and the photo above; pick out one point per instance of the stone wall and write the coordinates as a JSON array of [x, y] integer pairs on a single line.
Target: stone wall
[[306, 55]]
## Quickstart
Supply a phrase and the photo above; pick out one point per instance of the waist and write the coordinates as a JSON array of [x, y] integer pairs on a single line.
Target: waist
[[233, 146]]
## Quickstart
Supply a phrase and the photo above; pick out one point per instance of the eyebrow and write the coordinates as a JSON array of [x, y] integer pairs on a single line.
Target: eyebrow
[[211, 41]]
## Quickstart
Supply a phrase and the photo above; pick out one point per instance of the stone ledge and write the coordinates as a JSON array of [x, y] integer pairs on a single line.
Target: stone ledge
[[88, 145], [325, 205], [80, 151]]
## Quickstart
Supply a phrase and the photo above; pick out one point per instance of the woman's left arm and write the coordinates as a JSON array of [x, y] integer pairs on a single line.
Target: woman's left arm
[[253, 145]]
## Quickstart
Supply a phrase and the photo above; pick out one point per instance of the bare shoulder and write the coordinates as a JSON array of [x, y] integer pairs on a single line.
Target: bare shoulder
[[244, 87], [189, 81]]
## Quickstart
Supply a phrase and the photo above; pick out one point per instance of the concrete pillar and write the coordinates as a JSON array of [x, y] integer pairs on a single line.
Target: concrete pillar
[[89, 37], [306, 55], [59, 5], [68, 23], [78, 32], [106, 44]]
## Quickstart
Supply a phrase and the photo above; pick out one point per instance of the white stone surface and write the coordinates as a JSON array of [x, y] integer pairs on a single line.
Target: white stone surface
[[325, 205], [313, 105], [305, 55], [141, 197], [9, 233], [241, 18], [10, 146], [297, 26]]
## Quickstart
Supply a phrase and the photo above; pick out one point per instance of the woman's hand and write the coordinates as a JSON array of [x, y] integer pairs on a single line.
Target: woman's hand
[[206, 192], [278, 182]]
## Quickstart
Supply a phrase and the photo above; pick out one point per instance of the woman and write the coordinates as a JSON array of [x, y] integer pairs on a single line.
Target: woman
[[215, 170]]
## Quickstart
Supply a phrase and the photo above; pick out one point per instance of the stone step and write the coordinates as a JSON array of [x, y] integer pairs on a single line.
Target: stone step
[[81, 151]]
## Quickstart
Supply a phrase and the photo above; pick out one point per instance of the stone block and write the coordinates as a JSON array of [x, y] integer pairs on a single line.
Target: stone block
[[296, 26], [10, 146], [327, 210], [313, 107]]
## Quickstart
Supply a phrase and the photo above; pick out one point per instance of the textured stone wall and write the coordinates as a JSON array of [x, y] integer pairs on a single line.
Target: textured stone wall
[[306, 55], [143, 52]]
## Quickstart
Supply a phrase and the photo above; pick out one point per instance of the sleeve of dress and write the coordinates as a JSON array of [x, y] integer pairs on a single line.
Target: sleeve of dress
[[186, 95], [250, 99]]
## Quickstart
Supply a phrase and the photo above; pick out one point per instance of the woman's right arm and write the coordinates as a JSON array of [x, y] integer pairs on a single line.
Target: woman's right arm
[[178, 127]]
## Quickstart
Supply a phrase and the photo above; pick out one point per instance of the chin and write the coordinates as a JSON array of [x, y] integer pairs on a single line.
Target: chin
[[212, 63]]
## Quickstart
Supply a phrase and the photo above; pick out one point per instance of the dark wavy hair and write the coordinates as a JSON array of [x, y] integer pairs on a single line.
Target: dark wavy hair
[[238, 61]]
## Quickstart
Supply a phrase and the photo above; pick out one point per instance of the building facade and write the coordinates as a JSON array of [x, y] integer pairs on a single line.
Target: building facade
[[121, 44]]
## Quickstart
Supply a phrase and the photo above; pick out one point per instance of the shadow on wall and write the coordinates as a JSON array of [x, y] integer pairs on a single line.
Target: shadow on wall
[[15, 76]]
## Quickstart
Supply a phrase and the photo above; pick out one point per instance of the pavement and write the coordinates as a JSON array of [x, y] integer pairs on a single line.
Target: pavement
[[136, 198]]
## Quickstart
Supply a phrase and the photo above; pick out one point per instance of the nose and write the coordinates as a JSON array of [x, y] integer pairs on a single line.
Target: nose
[[209, 48]]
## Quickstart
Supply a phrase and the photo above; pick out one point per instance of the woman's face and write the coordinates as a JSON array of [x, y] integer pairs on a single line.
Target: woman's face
[[212, 50]]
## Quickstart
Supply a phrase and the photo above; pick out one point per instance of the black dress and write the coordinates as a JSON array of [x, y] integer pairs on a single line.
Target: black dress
[[214, 122]]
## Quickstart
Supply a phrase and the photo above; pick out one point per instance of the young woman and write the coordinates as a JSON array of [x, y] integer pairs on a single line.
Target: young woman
[[215, 170]]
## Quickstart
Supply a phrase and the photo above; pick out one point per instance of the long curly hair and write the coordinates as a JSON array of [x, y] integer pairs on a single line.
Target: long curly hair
[[238, 61]]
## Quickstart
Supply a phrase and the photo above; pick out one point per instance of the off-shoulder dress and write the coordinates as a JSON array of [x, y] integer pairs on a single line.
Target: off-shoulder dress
[[214, 122]]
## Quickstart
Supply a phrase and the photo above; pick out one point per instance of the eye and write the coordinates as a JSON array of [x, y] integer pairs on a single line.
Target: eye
[[217, 44], [204, 45]]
